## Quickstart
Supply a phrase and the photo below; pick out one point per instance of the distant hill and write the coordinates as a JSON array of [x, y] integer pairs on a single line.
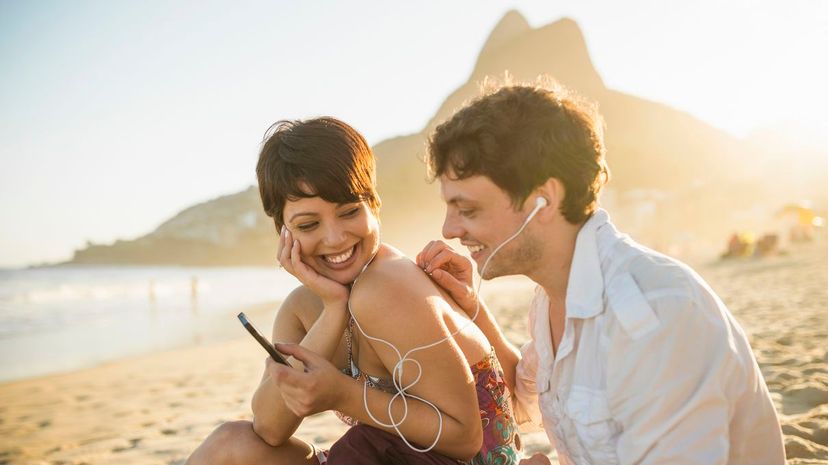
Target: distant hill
[[228, 230], [678, 184]]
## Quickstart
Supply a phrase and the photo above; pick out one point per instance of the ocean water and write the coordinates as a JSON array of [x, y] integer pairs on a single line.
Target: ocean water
[[66, 318]]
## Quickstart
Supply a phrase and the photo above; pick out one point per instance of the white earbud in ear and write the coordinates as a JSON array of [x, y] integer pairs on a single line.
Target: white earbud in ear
[[540, 202]]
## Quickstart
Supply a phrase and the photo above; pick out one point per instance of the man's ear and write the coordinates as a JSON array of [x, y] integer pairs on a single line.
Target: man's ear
[[554, 192]]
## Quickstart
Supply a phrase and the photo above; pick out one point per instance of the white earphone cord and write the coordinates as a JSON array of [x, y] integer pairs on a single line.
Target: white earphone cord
[[397, 371]]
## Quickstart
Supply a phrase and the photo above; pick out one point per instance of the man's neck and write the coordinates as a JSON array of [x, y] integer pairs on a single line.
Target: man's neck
[[553, 268]]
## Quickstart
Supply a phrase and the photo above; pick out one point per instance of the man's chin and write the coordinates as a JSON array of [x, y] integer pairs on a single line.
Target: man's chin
[[491, 273], [498, 270]]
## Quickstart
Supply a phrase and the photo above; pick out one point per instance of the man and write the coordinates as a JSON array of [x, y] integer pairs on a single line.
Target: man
[[632, 358]]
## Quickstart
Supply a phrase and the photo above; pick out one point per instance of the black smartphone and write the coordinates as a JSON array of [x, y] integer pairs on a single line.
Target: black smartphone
[[261, 339]]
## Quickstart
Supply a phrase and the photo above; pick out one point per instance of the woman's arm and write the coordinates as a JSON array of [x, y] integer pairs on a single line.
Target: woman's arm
[[272, 420], [453, 272], [395, 301], [507, 354]]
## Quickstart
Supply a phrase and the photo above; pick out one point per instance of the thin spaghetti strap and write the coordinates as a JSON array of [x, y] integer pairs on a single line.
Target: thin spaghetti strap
[[349, 338]]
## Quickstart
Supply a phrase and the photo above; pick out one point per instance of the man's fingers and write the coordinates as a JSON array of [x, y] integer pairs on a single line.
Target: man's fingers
[[430, 251], [437, 261], [425, 254], [450, 260], [418, 258], [444, 279]]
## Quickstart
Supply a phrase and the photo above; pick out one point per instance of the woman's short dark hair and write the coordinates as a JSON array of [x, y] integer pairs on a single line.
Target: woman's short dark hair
[[321, 157], [519, 136]]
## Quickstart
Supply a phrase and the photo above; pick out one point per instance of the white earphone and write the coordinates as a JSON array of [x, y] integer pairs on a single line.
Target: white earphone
[[397, 372], [540, 202]]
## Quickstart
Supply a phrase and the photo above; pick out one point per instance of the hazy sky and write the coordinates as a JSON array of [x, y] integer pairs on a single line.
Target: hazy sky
[[116, 115]]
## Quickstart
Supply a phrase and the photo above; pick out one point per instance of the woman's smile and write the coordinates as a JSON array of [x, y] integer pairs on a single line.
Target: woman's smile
[[340, 260]]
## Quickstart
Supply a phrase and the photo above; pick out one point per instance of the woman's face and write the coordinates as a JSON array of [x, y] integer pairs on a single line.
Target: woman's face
[[336, 240]]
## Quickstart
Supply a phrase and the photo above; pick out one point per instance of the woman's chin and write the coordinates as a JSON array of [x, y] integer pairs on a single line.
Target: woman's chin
[[344, 277]]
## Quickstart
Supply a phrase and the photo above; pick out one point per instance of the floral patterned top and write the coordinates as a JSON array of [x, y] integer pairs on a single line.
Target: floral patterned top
[[501, 441]]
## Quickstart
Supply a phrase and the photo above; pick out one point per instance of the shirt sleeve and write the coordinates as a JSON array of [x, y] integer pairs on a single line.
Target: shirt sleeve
[[670, 363], [526, 407]]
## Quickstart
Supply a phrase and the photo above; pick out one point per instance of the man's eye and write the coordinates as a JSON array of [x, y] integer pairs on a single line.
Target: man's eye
[[350, 213], [307, 226], [469, 212]]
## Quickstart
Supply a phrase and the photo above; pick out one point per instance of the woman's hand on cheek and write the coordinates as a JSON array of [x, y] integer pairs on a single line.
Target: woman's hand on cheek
[[331, 292]]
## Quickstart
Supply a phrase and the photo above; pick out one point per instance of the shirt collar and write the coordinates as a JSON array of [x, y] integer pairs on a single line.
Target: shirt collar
[[585, 289]]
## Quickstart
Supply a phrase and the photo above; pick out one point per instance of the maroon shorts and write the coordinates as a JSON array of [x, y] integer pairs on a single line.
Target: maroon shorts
[[364, 444]]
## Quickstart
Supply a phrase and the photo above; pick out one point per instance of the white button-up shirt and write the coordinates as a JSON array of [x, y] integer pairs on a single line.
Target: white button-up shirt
[[652, 368]]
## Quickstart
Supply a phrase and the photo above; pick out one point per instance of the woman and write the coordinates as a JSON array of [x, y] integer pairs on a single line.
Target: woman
[[317, 181]]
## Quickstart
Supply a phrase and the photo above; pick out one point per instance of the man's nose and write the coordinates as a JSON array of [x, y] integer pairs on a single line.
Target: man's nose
[[452, 228]]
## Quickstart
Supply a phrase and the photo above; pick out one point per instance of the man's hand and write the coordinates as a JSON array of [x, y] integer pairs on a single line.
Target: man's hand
[[537, 459], [316, 390], [451, 271]]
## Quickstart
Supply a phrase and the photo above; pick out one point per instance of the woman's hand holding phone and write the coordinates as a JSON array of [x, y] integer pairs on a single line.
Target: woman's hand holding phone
[[315, 389], [332, 293]]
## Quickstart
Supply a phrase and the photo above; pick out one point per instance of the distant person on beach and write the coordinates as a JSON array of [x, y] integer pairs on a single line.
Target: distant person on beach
[[317, 182], [194, 294], [632, 358]]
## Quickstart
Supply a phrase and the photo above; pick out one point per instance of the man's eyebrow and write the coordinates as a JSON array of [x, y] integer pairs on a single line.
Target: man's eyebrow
[[458, 199]]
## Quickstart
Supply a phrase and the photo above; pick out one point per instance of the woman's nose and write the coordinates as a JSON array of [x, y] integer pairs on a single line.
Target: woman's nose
[[334, 236]]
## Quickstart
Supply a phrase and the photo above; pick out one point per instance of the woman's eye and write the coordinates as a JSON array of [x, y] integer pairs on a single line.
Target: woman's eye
[[350, 213], [306, 226]]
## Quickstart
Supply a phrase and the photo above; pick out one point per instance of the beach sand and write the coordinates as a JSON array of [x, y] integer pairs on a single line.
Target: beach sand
[[156, 409]]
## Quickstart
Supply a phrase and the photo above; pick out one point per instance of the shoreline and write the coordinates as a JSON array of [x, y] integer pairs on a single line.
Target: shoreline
[[56, 351], [61, 350]]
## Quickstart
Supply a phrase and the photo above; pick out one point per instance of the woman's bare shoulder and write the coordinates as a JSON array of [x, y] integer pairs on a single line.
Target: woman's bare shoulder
[[391, 285]]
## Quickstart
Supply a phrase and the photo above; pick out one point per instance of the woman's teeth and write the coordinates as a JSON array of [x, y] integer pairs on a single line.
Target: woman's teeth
[[341, 257], [476, 248]]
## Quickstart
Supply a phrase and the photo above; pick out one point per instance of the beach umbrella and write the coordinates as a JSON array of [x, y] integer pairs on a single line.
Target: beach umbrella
[[805, 215]]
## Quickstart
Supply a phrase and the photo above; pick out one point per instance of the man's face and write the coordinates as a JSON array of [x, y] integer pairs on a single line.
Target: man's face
[[481, 216]]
